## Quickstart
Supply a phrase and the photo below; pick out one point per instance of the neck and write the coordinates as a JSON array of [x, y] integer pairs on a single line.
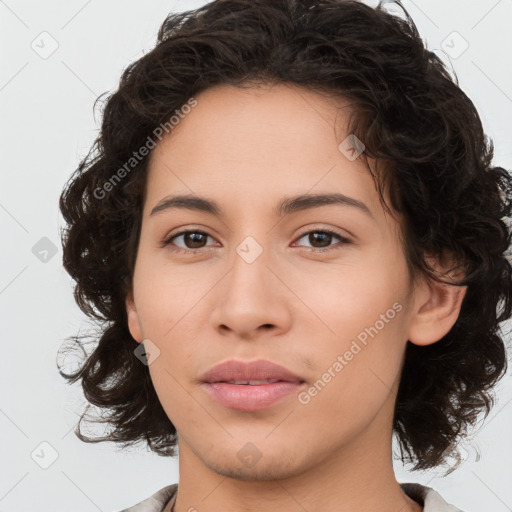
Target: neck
[[358, 476]]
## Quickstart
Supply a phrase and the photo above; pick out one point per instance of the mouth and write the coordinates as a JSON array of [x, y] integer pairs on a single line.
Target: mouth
[[250, 382], [250, 386]]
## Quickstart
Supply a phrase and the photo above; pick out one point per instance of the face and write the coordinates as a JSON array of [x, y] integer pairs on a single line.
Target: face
[[321, 289]]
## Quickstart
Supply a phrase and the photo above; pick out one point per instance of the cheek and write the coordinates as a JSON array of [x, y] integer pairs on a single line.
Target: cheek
[[363, 339], [350, 297], [165, 296], [354, 383]]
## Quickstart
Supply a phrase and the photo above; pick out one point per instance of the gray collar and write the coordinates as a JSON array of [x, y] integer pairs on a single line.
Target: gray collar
[[431, 500]]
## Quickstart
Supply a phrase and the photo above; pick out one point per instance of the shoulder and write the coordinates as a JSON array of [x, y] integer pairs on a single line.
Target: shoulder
[[156, 502], [431, 500]]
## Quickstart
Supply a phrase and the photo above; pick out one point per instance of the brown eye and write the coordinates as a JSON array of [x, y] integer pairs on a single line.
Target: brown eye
[[322, 239], [194, 240], [191, 240]]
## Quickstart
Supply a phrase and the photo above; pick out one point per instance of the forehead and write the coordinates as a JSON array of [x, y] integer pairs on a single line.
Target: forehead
[[275, 117], [256, 145]]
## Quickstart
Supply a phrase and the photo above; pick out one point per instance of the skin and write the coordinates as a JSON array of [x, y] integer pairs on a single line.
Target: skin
[[247, 149]]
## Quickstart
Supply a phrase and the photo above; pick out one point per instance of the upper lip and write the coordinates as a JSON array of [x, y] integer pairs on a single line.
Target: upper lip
[[252, 370]]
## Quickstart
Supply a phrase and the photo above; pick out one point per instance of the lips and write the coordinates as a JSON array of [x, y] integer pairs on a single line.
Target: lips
[[249, 373], [250, 386]]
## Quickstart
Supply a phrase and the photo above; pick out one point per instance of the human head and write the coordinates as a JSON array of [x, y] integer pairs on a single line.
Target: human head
[[432, 164]]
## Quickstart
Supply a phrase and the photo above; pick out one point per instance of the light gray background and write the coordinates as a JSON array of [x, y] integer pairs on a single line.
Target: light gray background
[[47, 127]]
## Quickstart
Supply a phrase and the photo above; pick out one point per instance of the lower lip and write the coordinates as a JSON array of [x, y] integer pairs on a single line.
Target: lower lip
[[245, 397]]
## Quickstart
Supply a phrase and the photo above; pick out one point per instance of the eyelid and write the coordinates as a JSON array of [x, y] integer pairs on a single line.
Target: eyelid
[[187, 228], [324, 229]]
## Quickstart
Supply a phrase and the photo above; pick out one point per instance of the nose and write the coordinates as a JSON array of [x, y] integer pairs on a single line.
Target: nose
[[252, 299]]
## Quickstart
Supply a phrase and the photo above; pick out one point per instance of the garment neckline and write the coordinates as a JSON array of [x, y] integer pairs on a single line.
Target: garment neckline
[[415, 491]]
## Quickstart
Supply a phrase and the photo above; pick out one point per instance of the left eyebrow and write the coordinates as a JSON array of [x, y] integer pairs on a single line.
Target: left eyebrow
[[306, 201], [286, 206]]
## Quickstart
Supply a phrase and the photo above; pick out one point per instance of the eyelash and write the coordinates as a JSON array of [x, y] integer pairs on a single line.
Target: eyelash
[[180, 250]]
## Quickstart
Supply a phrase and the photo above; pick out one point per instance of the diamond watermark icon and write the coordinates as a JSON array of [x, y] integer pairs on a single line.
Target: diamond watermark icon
[[351, 147], [44, 455], [147, 352], [454, 45], [45, 45], [44, 250], [249, 454], [249, 249]]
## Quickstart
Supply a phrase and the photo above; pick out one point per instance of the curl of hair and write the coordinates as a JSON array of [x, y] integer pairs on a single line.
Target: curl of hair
[[411, 116]]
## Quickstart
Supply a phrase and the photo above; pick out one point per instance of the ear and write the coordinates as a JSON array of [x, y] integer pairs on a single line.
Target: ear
[[436, 309], [133, 318]]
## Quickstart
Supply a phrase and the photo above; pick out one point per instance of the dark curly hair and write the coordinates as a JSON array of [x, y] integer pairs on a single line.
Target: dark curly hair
[[413, 119]]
